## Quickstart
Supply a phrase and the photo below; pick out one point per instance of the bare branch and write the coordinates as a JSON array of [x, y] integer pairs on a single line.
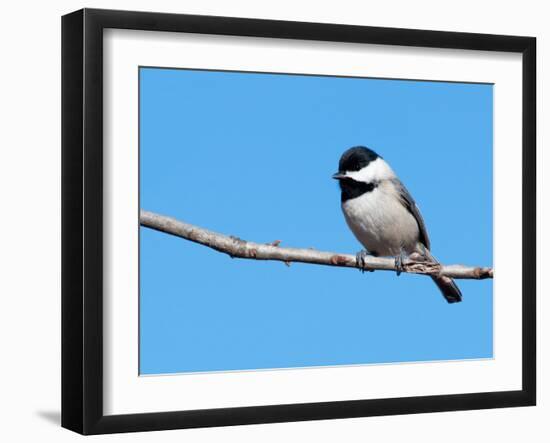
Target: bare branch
[[237, 248]]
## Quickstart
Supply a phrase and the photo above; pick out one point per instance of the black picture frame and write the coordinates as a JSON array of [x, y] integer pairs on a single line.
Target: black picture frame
[[82, 215]]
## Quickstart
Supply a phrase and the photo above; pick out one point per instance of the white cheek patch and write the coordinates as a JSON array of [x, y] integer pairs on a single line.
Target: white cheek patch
[[376, 170]]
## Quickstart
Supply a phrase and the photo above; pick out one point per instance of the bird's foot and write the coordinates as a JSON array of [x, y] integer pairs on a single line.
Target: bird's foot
[[361, 257], [399, 259]]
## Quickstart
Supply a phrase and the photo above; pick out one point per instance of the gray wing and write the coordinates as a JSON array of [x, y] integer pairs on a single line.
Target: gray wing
[[410, 204]]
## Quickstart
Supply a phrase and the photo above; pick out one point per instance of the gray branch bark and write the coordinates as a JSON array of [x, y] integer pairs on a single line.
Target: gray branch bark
[[238, 248]]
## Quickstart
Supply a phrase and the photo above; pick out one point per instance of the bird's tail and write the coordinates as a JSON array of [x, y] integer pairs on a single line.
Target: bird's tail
[[448, 288], [446, 285]]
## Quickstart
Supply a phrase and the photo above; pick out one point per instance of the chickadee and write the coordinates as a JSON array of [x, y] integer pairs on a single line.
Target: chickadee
[[382, 214]]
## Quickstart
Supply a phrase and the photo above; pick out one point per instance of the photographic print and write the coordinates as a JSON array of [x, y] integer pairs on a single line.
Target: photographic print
[[388, 169], [271, 221]]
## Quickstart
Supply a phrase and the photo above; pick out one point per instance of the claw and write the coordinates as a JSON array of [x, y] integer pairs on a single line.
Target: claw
[[399, 259], [361, 261]]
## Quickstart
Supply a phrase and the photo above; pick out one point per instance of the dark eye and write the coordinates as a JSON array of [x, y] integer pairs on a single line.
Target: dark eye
[[356, 165]]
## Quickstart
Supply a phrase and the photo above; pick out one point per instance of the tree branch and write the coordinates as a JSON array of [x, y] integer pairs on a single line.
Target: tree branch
[[237, 248]]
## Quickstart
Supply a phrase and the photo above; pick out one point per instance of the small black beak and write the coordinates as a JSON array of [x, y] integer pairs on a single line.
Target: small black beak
[[339, 176]]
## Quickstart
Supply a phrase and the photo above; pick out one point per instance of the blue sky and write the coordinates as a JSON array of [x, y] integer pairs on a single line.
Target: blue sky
[[252, 155]]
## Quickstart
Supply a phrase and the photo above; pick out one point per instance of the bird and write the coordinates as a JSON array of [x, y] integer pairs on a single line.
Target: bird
[[383, 215]]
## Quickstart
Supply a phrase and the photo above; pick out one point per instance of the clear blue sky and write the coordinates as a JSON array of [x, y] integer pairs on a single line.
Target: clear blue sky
[[252, 155]]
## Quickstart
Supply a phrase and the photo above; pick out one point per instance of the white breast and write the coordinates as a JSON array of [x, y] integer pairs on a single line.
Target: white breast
[[380, 222]]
